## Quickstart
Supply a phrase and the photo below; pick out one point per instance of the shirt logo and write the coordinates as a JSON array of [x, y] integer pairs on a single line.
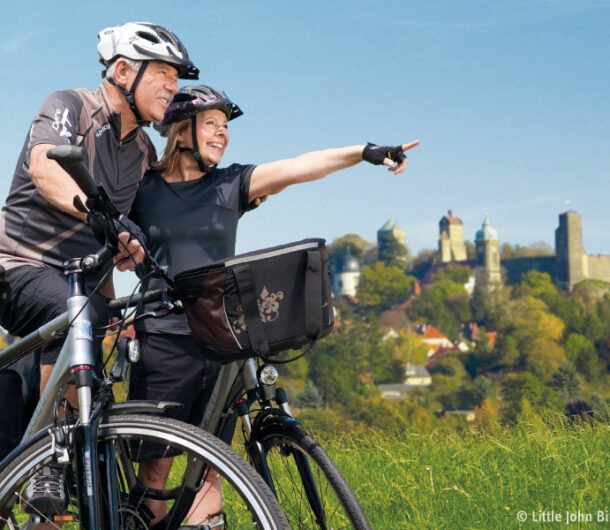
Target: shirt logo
[[60, 121], [102, 130]]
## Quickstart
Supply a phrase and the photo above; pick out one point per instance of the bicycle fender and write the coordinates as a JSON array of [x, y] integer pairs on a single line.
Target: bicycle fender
[[141, 407], [276, 418]]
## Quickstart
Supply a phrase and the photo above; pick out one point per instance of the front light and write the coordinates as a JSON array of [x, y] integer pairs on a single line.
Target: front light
[[133, 351], [268, 374]]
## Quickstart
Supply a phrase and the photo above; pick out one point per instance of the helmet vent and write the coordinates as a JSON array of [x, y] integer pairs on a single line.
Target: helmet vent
[[148, 36]]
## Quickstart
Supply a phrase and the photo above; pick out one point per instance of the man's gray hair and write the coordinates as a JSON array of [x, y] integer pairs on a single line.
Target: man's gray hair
[[134, 65]]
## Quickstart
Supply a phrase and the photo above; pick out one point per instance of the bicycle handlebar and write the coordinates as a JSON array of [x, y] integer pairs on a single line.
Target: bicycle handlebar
[[71, 160], [145, 297]]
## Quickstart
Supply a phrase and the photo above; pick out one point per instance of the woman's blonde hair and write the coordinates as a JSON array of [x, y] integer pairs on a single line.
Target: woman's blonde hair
[[171, 153]]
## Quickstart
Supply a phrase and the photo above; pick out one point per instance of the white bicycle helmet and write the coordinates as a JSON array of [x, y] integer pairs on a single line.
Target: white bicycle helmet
[[143, 41]]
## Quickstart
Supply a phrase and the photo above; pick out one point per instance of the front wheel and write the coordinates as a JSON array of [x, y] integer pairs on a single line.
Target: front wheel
[[247, 502], [312, 491]]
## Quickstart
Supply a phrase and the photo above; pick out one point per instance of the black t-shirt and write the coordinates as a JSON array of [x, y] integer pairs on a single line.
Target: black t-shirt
[[189, 225]]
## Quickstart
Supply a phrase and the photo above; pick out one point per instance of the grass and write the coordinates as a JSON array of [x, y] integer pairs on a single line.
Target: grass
[[476, 480], [540, 470]]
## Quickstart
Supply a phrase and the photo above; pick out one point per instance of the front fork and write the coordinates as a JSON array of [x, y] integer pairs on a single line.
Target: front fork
[[87, 478], [265, 394]]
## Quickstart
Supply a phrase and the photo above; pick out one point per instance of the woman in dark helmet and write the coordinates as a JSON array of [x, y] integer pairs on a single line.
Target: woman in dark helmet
[[189, 208]]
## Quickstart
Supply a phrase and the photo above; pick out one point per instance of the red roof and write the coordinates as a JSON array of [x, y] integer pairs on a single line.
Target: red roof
[[432, 333]]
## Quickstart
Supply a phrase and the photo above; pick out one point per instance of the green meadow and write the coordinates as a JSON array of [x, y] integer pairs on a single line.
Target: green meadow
[[532, 474]]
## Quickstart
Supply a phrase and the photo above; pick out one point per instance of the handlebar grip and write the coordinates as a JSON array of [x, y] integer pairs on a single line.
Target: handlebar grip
[[70, 158], [135, 299]]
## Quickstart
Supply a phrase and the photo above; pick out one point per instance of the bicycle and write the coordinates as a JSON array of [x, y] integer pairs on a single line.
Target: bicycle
[[312, 491], [98, 443]]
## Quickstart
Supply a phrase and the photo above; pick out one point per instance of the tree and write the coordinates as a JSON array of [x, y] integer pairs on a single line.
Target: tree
[[522, 387], [540, 285], [310, 397], [393, 252], [590, 292], [409, 348], [539, 248], [340, 361], [471, 394], [383, 286], [529, 337], [453, 273], [421, 262], [448, 375], [444, 302], [565, 381], [581, 352], [348, 244]]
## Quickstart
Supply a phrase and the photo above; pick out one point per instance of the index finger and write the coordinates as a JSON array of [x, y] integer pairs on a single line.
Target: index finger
[[406, 147]]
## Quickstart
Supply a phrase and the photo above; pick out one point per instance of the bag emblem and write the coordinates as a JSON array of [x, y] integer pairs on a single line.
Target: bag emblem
[[268, 309]]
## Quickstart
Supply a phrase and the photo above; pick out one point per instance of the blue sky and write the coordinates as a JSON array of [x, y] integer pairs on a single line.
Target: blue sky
[[510, 100]]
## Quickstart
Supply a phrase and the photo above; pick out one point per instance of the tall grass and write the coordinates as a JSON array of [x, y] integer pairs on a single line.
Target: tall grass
[[480, 479]]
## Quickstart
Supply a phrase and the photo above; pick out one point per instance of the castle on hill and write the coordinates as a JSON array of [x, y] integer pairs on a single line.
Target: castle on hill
[[568, 266]]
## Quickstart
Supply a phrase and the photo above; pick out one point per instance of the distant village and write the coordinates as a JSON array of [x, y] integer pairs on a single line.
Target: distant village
[[569, 265]]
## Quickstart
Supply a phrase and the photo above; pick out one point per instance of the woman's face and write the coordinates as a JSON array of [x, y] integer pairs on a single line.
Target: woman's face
[[212, 135]]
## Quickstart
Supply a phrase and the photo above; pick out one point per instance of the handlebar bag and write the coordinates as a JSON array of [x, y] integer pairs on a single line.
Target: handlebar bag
[[259, 303]]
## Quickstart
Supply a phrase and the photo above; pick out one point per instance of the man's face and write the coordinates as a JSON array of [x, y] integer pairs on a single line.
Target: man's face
[[155, 90]]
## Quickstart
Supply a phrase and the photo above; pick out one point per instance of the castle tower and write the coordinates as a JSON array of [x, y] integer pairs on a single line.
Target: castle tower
[[391, 242], [347, 275], [451, 239], [488, 271], [571, 259]]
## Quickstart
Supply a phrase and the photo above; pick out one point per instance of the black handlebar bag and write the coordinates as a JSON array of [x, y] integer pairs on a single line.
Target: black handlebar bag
[[259, 303]]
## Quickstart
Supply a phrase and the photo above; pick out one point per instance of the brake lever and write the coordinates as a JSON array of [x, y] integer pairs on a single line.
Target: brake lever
[[102, 203], [166, 307]]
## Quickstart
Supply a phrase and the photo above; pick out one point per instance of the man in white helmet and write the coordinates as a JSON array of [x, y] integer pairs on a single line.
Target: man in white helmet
[[40, 227]]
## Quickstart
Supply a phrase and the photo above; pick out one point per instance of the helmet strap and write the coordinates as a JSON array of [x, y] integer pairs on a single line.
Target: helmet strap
[[130, 95], [195, 150]]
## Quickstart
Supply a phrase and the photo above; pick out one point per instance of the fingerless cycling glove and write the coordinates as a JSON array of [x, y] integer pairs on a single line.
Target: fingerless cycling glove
[[376, 154]]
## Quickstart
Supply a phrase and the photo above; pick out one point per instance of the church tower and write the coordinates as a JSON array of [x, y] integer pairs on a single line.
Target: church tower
[[451, 245], [488, 271], [346, 276]]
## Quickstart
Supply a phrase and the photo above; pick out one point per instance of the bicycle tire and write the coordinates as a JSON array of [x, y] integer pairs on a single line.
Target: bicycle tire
[[299, 468], [247, 500]]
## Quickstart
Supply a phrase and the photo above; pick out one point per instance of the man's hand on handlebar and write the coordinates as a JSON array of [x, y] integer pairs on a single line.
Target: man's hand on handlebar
[[131, 252]]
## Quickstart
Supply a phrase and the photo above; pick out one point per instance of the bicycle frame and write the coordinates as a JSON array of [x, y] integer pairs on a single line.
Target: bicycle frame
[[76, 358]]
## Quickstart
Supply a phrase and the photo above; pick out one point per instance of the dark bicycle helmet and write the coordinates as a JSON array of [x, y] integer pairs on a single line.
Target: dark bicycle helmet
[[143, 41], [193, 99], [187, 103]]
